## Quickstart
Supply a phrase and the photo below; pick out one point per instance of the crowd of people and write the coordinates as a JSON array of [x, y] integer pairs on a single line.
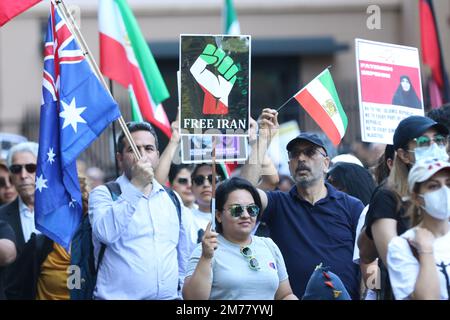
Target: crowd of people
[[334, 229]]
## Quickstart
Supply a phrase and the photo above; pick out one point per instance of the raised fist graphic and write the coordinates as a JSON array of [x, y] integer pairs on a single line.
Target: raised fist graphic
[[217, 88]]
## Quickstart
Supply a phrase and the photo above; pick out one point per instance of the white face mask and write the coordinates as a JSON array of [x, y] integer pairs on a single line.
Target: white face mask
[[432, 151], [437, 203]]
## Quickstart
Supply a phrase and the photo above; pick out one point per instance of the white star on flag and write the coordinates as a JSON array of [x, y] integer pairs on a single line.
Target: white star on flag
[[51, 155], [71, 114], [41, 183], [72, 203]]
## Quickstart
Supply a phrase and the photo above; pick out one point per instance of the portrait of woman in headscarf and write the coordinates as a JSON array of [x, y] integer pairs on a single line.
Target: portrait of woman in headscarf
[[405, 95]]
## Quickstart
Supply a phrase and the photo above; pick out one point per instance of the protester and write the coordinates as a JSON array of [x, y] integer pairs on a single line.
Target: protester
[[356, 181], [145, 235], [202, 190], [231, 264], [419, 259], [352, 179], [313, 222], [367, 152], [20, 216], [405, 95], [384, 165], [415, 138], [441, 115], [8, 251], [7, 190], [347, 158], [180, 181], [53, 272]]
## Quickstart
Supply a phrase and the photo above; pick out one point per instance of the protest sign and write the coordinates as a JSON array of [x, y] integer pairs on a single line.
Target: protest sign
[[215, 86], [198, 148], [389, 87]]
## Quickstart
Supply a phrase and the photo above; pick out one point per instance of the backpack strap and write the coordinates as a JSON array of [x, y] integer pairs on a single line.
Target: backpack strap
[[115, 191], [175, 201]]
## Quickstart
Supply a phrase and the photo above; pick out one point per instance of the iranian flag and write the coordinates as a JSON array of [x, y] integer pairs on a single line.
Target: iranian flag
[[125, 57], [231, 22], [11, 8], [320, 99]]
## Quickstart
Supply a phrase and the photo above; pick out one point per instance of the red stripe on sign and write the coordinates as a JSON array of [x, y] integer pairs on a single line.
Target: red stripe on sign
[[319, 115]]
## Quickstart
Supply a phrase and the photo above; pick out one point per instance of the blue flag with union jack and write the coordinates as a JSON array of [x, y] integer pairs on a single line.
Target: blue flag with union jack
[[75, 109]]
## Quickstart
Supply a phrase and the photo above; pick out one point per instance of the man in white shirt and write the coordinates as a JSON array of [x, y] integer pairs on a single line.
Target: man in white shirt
[[147, 244]]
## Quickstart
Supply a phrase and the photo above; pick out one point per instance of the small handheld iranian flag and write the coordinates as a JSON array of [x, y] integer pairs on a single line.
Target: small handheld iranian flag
[[320, 99]]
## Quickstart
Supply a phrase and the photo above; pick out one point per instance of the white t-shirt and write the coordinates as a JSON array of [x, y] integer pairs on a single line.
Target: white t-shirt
[[362, 219], [404, 267], [199, 222]]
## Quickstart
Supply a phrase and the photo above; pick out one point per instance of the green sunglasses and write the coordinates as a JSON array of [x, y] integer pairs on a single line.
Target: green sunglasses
[[237, 210], [424, 141], [252, 261]]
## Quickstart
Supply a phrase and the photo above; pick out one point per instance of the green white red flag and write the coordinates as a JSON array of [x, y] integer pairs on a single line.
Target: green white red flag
[[125, 57], [320, 99]]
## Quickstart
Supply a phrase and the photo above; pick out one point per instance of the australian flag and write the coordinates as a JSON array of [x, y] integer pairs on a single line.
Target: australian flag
[[75, 109]]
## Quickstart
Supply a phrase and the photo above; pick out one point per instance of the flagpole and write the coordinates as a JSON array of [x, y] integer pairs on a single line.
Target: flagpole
[[214, 174], [87, 53], [114, 133]]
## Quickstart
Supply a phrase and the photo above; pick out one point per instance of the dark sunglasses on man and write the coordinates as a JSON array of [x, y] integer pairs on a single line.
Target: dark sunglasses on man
[[200, 180], [17, 168], [308, 152]]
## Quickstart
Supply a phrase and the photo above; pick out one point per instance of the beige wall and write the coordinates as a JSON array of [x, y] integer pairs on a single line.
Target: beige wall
[[20, 39]]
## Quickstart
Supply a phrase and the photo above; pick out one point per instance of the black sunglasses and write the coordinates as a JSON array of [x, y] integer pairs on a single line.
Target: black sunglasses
[[308, 152], [3, 181], [17, 168], [183, 181], [200, 180], [237, 210]]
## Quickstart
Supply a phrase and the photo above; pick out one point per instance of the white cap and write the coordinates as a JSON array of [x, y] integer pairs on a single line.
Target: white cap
[[424, 169], [346, 157]]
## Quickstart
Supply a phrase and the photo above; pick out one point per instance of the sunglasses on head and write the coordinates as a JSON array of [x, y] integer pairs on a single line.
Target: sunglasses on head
[[252, 261], [308, 152], [237, 210], [183, 181], [3, 181], [424, 141], [17, 168], [200, 180]]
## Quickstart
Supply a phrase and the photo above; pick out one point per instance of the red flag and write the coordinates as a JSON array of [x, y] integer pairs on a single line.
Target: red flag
[[431, 48], [11, 8]]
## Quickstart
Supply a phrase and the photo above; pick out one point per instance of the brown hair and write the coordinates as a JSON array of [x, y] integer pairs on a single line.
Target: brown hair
[[414, 211], [84, 188]]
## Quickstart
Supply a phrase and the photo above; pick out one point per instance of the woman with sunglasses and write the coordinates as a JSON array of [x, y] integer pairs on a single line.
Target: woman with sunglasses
[[7, 190], [415, 138], [232, 264], [419, 259]]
